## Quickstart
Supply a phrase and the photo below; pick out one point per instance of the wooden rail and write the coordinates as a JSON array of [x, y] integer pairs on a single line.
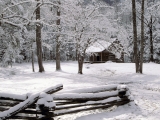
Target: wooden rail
[[49, 103]]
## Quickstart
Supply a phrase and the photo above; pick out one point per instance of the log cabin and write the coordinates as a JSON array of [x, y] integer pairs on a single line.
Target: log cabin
[[103, 51]]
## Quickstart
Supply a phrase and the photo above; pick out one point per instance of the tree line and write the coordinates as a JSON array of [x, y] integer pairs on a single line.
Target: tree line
[[63, 30]]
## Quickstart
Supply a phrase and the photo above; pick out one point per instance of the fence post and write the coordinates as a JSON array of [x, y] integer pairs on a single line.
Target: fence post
[[45, 106]]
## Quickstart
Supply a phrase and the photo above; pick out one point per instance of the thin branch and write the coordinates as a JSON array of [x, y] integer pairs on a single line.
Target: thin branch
[[10, 23], [16, 5], [144, 18], [15, 16]]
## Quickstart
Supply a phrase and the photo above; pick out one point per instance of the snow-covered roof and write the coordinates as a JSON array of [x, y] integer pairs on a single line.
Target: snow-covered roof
[[98, 46], [92, 49]]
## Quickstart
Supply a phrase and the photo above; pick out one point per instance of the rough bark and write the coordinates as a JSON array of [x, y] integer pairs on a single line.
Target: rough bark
[[58, 66], [38, 40], [135, 35], [76, 53], [80, 63], [142, 37], [33, 61], [151, 40]]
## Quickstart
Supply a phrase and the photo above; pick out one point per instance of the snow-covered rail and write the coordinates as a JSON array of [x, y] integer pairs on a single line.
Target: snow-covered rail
[[49, 103], [19, 104]]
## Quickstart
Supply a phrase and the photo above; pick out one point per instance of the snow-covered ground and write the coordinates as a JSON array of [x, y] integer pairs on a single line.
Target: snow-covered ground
[[145, 88]]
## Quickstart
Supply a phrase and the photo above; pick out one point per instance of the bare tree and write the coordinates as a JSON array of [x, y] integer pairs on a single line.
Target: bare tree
[[38, 39], [33, 61], [58, 66], [153, 13], [142, 37], [151, 38], [135, 35]]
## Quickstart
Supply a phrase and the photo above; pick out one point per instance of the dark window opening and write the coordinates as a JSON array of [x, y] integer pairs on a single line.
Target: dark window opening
[[98, 58]]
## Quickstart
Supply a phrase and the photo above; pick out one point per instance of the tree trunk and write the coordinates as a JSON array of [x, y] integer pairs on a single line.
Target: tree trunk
[[38, 40], [151, 40], [135, 35], [142, 37], [76, 52], [58, 66], [33, 61], [43, 54], [80, 63]]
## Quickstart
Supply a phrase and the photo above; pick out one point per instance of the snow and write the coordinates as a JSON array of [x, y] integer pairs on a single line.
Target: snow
[[98, 46], [13, 96], [94, 49], [103, 101], [11, 111], [119, 87], [145, 88], [46, 100], [91, 90], [67, 96]]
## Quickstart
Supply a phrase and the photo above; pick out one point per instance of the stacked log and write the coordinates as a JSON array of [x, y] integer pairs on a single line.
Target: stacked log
[[72, 101], [21, 106], [90, 99]]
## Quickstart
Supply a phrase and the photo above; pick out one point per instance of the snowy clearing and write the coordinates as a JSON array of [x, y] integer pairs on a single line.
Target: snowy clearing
[[145, 88]]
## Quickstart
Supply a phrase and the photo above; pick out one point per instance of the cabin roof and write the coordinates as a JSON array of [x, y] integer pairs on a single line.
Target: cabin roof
[[98, 46]]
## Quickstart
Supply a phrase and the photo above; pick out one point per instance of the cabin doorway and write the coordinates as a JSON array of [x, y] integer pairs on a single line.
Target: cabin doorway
[[98, 58]]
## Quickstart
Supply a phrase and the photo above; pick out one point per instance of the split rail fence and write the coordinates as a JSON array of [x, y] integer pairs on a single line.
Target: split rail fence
[[50, 103]]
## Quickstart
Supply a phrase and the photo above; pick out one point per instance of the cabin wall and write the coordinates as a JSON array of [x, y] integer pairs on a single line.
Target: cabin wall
[[103, 57]]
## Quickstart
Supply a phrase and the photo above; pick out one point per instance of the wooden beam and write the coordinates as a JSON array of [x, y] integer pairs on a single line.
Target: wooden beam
[[68, 111], [97, 89], [20, 98], [88, 103], [85, 96], [8, 102], [23, 105]]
